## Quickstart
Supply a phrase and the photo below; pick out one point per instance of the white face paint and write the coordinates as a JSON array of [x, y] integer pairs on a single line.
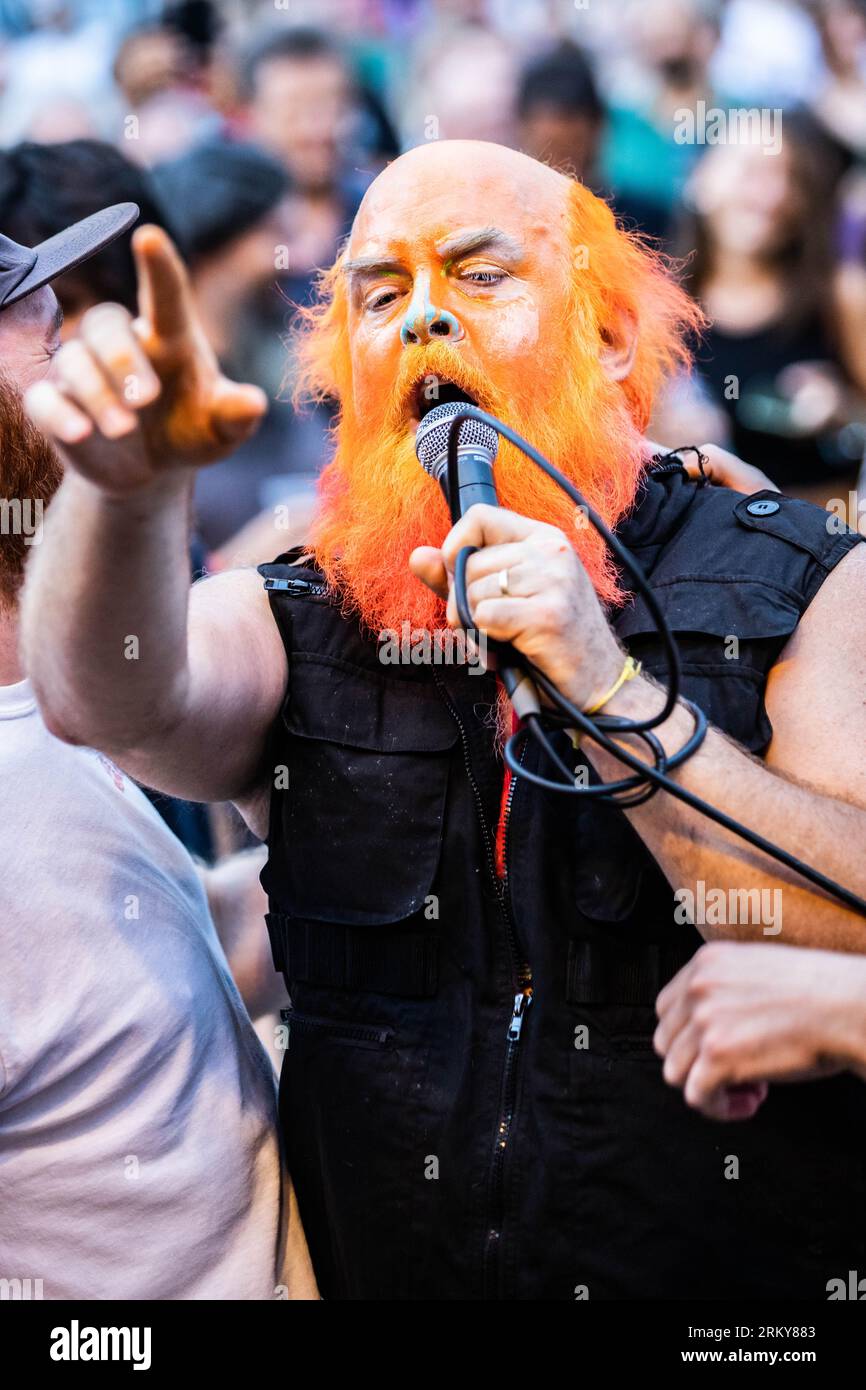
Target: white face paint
[[515, 328]]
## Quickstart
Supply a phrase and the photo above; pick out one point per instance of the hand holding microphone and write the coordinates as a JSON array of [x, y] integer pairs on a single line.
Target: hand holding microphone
[[525, 585]]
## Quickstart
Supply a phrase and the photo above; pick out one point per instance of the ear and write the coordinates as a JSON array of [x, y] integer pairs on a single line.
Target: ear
[[619, 345]]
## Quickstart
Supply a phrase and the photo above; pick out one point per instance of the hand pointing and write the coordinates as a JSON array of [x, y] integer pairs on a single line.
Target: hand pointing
[[130, 400]]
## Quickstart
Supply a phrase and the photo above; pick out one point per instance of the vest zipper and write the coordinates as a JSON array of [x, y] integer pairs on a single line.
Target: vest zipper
[[296, 586], [496, 1199], [522, 968], [520, 1005], [521, 975], [479, 804], [506, 814]]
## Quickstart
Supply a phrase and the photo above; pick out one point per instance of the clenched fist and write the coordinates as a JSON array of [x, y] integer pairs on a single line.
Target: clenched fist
[[130, 400], [549, 610], [740, 1015]]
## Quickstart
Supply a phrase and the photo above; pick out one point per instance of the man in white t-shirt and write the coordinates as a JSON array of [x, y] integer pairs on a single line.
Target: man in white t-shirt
[[139, 1156]]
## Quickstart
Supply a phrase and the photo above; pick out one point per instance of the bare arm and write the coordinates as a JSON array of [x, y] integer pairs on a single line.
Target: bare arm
[[809, 796], [180, 689], [179, 685]]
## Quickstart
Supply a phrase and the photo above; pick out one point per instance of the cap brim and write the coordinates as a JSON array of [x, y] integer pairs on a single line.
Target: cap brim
[[77, 243]]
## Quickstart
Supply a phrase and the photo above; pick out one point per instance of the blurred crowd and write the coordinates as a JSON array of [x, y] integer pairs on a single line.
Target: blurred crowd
[[732, 132], [251, 131]]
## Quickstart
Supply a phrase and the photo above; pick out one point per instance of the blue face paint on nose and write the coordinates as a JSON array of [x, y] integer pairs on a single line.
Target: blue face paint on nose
[[420, 313], [445, 325], [423, 321]]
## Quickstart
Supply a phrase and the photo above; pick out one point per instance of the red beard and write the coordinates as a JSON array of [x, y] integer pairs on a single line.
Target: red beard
[[378, 504], [30, 474]]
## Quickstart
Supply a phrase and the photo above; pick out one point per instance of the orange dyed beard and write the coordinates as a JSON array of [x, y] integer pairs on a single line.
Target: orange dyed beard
[[30, 472], [378, 504]]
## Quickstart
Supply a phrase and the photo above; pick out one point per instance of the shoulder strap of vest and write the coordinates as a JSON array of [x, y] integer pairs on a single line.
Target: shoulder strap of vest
[[819, 533]]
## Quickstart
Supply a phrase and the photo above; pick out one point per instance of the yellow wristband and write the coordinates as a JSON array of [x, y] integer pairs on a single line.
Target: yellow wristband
[[630, 669]]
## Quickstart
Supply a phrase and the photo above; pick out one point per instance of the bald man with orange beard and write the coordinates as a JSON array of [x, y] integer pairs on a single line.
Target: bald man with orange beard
[[470, 1099]]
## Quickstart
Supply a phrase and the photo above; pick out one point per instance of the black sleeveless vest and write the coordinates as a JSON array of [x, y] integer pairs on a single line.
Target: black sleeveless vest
[[447, 1139]]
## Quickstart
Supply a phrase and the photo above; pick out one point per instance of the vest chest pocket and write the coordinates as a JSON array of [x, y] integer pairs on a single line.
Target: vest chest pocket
[[360, 822], [730, 631]]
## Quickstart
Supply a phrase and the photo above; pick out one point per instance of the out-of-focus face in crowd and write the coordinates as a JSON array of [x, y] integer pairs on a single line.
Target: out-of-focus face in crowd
[[226, 278], [301, 110], [469, 85], [675, 38], [150, 61], [843, 32], [252, 253], [566, 139], [749, 201], [560, 112]]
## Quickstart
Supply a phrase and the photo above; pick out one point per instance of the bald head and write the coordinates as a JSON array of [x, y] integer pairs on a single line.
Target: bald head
[[473, 158], [454, 179]]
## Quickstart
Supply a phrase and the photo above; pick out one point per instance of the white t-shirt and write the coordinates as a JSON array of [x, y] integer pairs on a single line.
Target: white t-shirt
[[139, 1156]]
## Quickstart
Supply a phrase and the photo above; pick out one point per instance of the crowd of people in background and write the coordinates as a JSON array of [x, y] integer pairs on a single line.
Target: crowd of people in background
[[252, 130]]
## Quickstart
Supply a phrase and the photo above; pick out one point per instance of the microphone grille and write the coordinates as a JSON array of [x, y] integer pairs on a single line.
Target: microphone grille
[[431, 441]]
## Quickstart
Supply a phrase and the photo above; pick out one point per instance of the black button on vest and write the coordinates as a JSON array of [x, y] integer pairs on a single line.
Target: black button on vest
[[447, 1137]]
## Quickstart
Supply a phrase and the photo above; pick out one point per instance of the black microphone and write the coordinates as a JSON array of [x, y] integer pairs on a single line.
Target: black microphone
[[477, 447]]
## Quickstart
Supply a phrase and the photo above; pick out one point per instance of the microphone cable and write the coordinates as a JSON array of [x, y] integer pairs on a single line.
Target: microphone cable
[[648, 778]]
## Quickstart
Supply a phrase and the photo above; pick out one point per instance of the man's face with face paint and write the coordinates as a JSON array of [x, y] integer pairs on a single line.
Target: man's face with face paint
[[475, 272], [461, 252]]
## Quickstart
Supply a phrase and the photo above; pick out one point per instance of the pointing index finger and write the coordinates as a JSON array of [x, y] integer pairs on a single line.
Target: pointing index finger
[[164, 297]]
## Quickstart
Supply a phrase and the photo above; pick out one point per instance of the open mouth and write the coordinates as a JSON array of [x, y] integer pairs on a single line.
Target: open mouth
[[430, 393]]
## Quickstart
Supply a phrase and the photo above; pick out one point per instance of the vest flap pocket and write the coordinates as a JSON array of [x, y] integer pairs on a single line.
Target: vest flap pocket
[[361, 816], [345, 704], [737, 606], [730, 633]]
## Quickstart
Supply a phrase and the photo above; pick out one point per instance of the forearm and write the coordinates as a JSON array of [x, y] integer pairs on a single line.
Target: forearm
[[692, 849], [105, 609], [846, 1020]]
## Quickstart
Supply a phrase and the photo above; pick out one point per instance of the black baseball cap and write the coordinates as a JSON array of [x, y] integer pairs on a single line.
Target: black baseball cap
[[24, 269]]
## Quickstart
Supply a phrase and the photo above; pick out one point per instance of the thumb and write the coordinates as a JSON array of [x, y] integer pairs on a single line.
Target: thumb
[[236, 409], [426, 564], [742, 1100]]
